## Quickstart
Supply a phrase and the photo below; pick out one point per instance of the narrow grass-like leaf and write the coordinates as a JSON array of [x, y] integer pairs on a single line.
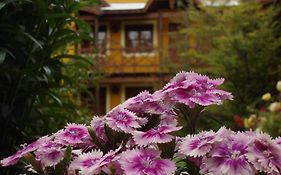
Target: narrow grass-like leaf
[[55, 98], [35, 164], [33, 39], [3, 4], [67, 155], [2, 57], [95, 139]]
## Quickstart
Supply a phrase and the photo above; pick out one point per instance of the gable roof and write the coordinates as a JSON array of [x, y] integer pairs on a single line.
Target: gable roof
[[125, 7]]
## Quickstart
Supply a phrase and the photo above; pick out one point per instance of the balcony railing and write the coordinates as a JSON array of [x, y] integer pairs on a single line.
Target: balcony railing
[[119, 60]]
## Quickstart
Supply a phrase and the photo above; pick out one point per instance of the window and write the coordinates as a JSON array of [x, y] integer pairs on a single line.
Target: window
[[139, 38], [102, 40], [88, 46]]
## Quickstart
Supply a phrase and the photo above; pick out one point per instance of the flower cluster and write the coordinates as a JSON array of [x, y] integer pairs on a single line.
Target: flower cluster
[[144, 136], [193, 89], [228, 152], [268, 117]]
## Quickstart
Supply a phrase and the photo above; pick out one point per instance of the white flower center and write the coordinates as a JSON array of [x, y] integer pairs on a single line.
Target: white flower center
[[235, 154], [146, 162]]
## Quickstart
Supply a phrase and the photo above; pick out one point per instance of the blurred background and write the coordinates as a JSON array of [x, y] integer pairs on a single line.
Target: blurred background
[[67, 61]]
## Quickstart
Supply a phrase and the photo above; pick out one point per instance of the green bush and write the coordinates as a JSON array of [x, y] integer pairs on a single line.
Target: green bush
[[33, 40]]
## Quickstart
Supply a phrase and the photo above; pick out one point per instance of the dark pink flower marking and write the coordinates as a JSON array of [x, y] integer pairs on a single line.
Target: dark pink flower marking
[[160, 134], [197, 145], [120, 119], [146, 162], [72, 134]]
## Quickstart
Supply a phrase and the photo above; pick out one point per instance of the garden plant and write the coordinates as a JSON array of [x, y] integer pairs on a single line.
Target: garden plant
[[36, 69], [155, 134], [267, 115]]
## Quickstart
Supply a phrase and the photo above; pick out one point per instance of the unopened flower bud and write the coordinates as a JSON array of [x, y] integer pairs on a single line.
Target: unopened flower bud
[[266, 96]]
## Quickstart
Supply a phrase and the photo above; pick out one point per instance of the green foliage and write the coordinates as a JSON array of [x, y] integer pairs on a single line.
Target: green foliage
[[33, 40], [266, 115], [235, 42]]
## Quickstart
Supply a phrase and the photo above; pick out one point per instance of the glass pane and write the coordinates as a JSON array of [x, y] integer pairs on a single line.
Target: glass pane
[[146, 41], [101, 36], [132, 41], [102, 40], [139, 38], [133, 35], [146, 35]]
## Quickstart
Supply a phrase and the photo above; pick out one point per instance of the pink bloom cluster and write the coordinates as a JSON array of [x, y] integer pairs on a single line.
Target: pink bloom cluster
[[193, 89], [228, 152], [49, 150], [132, 138]]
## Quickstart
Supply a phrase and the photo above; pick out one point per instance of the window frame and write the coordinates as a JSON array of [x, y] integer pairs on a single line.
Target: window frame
[[138, 29], [91, 48], [154, 38]]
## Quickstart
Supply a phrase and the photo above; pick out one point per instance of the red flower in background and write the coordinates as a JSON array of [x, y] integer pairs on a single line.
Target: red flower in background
[[262, 109], [238, 121]]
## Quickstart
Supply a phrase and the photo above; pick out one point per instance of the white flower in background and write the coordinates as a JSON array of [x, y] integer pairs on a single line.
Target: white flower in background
[[278, 85], [275, 107]]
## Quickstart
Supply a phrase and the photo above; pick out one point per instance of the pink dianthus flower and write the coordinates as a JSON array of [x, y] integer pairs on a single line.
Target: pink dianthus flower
[[72, 134], [265, 154], [197, 145], [191, 89], [160, 134], [11, 160], [146, 162], [123, 120]]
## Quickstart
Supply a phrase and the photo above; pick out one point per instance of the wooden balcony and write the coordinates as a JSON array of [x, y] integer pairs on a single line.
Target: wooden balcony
[[120, 61]]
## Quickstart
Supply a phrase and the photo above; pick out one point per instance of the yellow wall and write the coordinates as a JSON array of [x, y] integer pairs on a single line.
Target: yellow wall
[[117, 61], [114, 97]]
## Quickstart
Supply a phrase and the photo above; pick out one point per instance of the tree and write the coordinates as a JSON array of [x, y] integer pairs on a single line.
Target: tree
[[235, 42]]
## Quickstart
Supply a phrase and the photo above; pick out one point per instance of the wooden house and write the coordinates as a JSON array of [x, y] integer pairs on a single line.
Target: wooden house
[[132, 39]]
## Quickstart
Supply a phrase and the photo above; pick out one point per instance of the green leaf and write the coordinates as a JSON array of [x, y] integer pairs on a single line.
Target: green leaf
[[54, 97], [83, 26], [2, 57], [95, 139], [67, 155], [35, 164], [63, 42], [3, 4], [6, 28], [60, 168], [167, 149], [57, 15], [73, 7], [8, 52], [33, 39], [74, 57], [47, 70], [62, 33], [41, 5]]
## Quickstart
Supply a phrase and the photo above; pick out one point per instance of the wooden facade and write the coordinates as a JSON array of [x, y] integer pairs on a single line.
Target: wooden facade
[[129, 47]]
